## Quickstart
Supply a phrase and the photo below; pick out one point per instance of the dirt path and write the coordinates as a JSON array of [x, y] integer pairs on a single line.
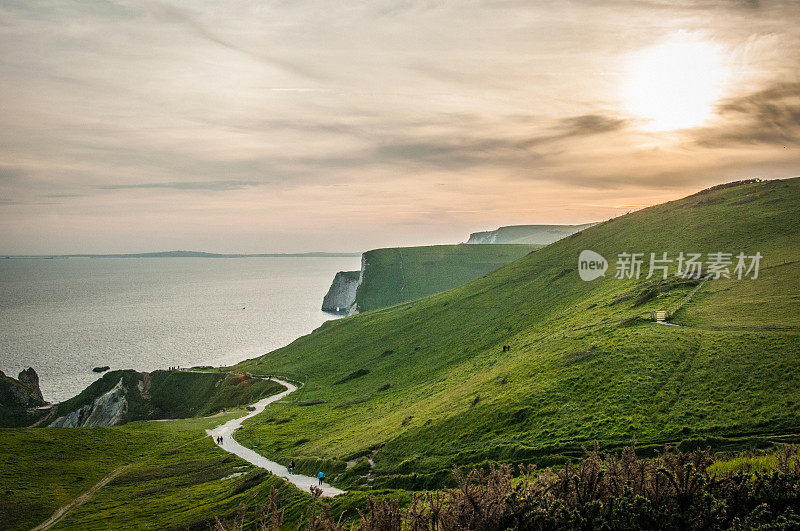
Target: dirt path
[[80, 500], [230, 445]]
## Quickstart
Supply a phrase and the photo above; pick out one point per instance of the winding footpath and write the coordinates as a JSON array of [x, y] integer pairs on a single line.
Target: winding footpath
[[230, 445]]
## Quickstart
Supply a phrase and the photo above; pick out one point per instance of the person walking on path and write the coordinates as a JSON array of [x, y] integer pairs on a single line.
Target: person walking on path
[[291, 467], [321, 476]]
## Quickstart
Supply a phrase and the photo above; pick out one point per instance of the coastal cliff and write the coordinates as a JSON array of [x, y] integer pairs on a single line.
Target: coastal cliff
[[341, 296], [107, 409], [526, 234], [395, 275], [127, 395]]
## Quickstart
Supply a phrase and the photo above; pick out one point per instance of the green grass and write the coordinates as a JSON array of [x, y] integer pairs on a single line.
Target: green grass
[[401, 274], [585, 363], [43, 469]]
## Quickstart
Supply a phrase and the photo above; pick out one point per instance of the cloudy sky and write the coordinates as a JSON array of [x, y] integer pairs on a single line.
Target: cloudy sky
[[298, 125]]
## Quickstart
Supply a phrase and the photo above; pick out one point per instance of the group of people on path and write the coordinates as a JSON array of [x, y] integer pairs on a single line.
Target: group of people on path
[[320, 475], [219, 439]]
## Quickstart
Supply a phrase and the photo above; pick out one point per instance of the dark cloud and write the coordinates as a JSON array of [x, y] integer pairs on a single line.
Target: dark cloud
[[11, 173], [491, 150], [770, 116], [590, 124], [185, 185]]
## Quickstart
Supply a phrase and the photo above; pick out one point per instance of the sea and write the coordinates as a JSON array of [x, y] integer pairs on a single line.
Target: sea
[[65, 316]]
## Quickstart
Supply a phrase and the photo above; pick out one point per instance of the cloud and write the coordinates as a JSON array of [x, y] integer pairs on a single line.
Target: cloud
[[299, 112], [443, 152], [215, 186], [11, 173], [590, 124], [173, 15], [770, 116]]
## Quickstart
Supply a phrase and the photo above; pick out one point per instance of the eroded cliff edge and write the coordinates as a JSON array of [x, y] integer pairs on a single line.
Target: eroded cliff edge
[[341, 296]]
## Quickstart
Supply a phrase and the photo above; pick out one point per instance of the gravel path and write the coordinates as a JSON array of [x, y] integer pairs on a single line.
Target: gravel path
[[230, 445]]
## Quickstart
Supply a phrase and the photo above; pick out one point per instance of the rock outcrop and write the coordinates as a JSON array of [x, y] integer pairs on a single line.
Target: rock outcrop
[[21, 402], [127, 395], [107, 409], [341, 296], [30, 379]]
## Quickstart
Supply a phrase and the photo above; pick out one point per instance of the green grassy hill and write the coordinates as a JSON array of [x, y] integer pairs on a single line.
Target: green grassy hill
[[431, 385], [401, 274]]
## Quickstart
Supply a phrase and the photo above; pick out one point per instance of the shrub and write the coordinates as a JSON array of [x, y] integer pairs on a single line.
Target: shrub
[[672, 491]]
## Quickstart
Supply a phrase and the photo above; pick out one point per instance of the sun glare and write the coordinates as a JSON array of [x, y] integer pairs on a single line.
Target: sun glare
[[675, 84]]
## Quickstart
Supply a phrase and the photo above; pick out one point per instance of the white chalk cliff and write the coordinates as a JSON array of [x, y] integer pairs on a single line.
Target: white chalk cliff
[[106, 410], [341, 296]]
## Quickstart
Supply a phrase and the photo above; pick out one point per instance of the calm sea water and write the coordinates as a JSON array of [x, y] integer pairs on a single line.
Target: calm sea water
[[65, 316]]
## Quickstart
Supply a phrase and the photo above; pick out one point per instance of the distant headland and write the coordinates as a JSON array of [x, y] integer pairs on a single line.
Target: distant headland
[[185, 254]]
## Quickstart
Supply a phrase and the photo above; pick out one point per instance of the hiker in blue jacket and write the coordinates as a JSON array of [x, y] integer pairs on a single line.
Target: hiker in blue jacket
[[321, 476]]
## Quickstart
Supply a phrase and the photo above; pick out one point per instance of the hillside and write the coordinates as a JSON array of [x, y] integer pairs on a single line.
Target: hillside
[[526, 234], [394, 275], [425, 385], [169, 475], [127, 395]]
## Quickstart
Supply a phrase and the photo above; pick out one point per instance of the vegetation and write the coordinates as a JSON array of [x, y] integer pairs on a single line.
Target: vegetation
[[401, 274], [172, 476], [673, 491], [586, 363]]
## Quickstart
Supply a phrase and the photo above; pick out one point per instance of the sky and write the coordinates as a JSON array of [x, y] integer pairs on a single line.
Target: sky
[[312, 125]]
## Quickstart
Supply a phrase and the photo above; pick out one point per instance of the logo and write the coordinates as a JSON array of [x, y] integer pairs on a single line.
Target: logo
[[591, 265]]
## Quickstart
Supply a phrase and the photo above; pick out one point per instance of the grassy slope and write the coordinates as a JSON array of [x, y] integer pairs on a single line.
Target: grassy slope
[[402, 274], [43, 469], [177, 478], [578, 370]]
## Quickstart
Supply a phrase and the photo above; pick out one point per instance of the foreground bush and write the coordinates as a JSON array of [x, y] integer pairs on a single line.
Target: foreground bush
[[672, 491]]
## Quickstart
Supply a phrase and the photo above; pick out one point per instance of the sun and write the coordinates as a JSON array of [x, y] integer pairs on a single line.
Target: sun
[[675, 84]]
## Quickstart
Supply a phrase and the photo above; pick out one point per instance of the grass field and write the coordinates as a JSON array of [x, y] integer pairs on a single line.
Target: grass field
[[401, 274], [434, 387], [176, 478]]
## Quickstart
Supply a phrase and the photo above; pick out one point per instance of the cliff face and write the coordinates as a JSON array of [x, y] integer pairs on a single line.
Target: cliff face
[[127, 395], [528, 234], [107, 409], [341, 296], [30, 379]]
